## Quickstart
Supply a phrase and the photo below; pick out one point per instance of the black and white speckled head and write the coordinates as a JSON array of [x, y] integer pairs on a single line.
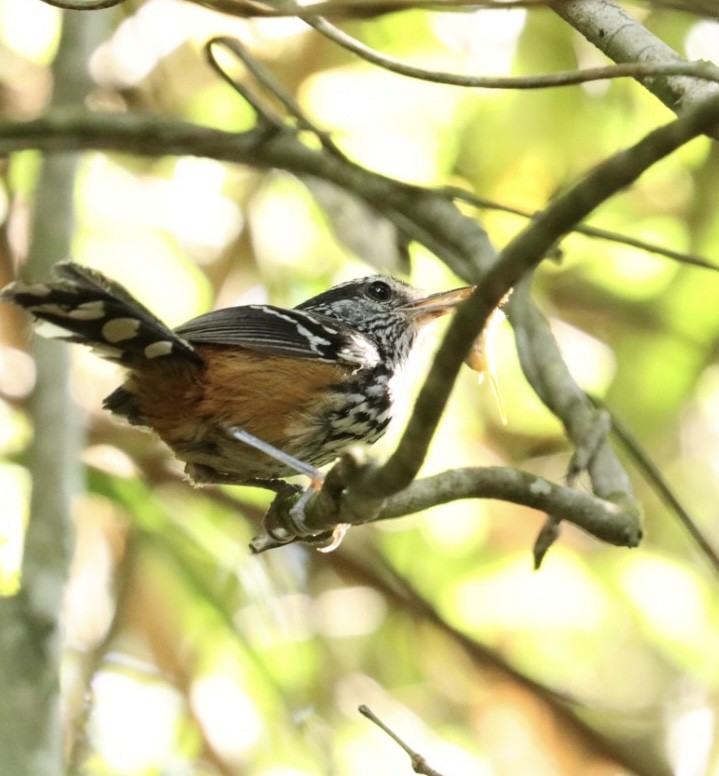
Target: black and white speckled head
[[388, 311]]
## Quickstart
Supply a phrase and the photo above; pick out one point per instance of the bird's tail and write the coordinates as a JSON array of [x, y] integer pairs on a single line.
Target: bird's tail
[[79, 304]]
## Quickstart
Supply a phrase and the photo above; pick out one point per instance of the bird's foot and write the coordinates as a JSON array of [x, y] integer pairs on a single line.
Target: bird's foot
[[284, 524]]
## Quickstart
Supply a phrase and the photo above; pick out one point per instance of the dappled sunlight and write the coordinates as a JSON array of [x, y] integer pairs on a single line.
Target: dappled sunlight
[[188, 203], [17, 378], [143, 39], [591, 363], [390, 124], [32, 29], [485, 40], [562, 597], [691, 732], [144, 712], [523, 411], [15, 487], [232, 720], [702, 40], [630, 273], [677, 608], [282, 201], [347, 612]]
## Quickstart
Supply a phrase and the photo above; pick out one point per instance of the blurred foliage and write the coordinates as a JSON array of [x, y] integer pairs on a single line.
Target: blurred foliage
[[185, 654]]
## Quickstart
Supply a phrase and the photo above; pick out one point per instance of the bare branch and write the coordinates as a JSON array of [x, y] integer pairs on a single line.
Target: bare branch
[[429, 217], [357, 9], [419, 764], [624, 39], [367, 9], [589, 231], [639, 71], [607, 521], [662, 488], [83, 5], [523, 253]]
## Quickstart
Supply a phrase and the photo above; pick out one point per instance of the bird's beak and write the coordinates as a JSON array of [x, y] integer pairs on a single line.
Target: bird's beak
[[435, 305]]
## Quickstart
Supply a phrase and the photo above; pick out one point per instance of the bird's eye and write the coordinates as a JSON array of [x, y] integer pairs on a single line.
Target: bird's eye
[[379, 291]]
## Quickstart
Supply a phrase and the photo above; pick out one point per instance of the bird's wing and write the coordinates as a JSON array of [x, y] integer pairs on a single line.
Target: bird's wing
[[281, 332]]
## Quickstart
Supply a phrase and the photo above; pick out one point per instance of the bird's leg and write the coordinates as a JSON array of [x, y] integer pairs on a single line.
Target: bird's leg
[[327, 540], [301, 467], [276, 534], [282, 526], [203, 474]]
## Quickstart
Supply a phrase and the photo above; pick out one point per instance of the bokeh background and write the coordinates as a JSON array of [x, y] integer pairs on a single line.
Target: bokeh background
[[186, 655]]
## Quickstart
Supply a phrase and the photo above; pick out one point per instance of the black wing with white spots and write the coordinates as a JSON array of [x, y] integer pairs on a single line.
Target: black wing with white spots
[[81, 305], [281, 332]]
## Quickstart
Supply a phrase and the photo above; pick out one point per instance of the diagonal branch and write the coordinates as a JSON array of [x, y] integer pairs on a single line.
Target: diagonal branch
[[360, 489], [523, 253], [590, 231], [624, 39]]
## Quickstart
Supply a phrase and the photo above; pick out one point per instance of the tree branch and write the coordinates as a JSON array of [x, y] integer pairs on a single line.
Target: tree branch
[[426, 216], [359, 488], [429, 217], [623, 39], [589, 231], [639, 70], [524, 252]]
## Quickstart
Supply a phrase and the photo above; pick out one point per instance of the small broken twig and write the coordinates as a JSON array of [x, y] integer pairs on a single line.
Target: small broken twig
[[419, 764]]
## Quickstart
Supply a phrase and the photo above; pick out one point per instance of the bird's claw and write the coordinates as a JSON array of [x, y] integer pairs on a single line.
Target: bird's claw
[[284, 526]]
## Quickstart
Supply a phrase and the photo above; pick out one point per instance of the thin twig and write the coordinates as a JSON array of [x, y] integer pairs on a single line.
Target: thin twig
[[661, 487], [419, 764], [83, 5], [270, 119], [362, 8], [270, 84], [368, 9], [638, 70], [588, 231]]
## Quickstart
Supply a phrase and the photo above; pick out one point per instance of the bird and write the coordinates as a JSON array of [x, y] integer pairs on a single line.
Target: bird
[[249, 394]]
